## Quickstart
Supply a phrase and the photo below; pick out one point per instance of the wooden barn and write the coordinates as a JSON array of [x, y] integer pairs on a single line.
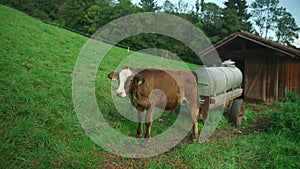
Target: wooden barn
[[270, 70]]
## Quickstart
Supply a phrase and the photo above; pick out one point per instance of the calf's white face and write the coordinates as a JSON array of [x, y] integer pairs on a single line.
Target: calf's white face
[[123, 75]]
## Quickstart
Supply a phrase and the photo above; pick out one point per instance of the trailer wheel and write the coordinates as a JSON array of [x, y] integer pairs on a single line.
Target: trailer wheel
[[237, 112]]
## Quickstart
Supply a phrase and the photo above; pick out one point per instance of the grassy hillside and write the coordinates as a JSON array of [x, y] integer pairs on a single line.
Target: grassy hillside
[[39, 127], [37, 120]]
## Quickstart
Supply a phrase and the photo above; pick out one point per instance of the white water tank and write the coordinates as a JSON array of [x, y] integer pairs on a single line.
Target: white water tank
[[216, 80]]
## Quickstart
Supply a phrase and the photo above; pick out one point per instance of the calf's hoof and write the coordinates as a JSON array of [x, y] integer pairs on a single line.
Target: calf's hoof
[[146, 140], [195, 138]]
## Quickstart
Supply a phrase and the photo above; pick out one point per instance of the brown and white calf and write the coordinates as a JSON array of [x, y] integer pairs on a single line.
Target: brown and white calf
[[166, 89]]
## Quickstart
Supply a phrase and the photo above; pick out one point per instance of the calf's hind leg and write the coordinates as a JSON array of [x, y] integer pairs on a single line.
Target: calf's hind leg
[[194, 110]]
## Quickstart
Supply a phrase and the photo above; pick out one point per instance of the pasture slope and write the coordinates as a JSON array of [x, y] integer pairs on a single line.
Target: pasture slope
[[39, 127]]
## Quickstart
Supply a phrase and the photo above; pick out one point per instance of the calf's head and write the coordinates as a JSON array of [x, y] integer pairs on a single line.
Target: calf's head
[[124, 78]]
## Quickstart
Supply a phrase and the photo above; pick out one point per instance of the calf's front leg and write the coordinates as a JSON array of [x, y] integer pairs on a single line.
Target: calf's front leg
[[140, 124], [148, 124]]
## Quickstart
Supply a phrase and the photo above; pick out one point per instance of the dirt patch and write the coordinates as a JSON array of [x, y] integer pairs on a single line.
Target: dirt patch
[[259, 106], [261, 125], [261, 122]]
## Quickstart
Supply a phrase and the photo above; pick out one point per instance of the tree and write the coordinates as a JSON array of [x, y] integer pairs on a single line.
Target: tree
[[286, 29], [149, 5], [182, 7], [239, 9], [44, 10], [230, 22], [72, 14], [197, 5], [123, 8], [264, 15], [211, 18], [93, 18], [269, 17], [168, 7]]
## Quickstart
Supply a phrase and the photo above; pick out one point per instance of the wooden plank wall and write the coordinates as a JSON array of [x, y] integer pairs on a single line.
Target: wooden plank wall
[[270, 80], [291, 77], [254, 78]]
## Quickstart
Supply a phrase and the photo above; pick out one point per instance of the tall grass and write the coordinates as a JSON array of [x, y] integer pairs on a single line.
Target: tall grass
[[286, 119]]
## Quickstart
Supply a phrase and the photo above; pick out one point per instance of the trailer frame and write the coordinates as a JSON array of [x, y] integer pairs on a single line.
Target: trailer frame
[[236, 113]]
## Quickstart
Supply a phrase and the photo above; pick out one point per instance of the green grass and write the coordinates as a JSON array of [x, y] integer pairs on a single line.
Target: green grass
[[39, 127], [38, 123]]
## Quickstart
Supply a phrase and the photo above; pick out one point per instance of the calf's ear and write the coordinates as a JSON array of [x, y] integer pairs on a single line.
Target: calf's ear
[[113, 75], [139, 79]]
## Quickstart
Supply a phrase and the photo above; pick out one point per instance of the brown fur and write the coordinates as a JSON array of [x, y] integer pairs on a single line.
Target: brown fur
[[175, 87], [154, 79]]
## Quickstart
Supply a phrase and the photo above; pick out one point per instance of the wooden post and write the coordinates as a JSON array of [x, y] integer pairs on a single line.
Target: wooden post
[[264, 80], [277, 80]]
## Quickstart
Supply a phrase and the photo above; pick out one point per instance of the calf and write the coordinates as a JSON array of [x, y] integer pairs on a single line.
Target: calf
[[166, 89]]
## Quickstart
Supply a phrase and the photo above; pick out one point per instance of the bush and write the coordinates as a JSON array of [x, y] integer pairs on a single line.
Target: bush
[[291, 97], [286, 119]]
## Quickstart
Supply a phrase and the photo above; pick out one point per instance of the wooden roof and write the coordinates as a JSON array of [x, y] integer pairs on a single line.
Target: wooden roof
[[289, 51]]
